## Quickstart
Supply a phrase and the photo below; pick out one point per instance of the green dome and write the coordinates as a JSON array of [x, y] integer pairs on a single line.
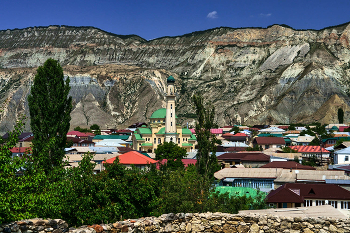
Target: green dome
[[170, 79], [160, 113]]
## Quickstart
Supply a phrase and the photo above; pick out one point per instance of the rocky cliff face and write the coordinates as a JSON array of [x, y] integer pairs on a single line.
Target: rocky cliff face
[[251, 75]]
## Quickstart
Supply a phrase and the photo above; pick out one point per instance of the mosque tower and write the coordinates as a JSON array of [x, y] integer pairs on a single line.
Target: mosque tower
[[170, 122]]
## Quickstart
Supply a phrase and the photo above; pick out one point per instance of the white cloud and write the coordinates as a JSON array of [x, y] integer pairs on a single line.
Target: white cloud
[[265, 15], [212, 15]]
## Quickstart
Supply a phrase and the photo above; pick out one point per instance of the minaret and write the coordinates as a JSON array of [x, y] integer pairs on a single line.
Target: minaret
[[170, 121]]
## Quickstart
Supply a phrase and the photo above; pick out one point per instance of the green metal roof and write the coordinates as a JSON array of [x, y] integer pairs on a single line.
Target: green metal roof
[[186, 131], [187, 144], [334, 128], [287, 140], [238, 191], [147, 144], [102, 137], [144, 130], [138, 137], [337, 138], [160, 113], [144, 153], [193, 138], [170, 79], [161, 131]]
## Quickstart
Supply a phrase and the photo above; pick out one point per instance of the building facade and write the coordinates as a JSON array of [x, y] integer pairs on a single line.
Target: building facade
[[163, 127]]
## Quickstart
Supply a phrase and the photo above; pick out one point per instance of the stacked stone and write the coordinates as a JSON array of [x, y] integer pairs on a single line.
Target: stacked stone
[[35, 226], [182, 223]]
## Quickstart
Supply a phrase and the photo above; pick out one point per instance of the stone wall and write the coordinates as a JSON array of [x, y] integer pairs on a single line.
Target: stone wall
[[205, 222]]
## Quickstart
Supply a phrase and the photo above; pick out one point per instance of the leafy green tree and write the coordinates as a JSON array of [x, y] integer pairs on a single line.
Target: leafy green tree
[[291, 127], [50, 109], [207, 162], [95, 128], [235, 129], [287, 149], [173, 153], [83, 130], [255, 148], [341, 116]]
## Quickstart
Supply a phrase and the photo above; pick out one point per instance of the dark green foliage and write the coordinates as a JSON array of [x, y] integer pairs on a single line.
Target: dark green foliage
[[312, 161], [207, 162], [315, 142], [340, 116], [296, 159], [287, 149], [235, 129], [50, 109], [255, 148], [291, 127], [83, 130], [173, 153], [96, 129]]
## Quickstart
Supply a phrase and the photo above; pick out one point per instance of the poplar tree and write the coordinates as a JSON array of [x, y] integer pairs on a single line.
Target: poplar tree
[[207, 162], [50, 108]]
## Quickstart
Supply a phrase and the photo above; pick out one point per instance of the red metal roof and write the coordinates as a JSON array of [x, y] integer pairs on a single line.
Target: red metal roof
[[186, 162], [229, 149], [216, 131], [242, 156], [240, 134], [79, 134], [311, 149], [287, 165], [29, 139], [283, 126], [342, 128], [290, 191], [21, 149], [269, 141], [132, 157]]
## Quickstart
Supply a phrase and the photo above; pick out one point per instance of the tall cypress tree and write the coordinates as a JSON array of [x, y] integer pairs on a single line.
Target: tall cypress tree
[[207, 162], [50, 109]]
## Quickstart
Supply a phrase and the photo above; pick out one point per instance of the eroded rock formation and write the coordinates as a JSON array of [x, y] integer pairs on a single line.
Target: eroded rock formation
[[252, 75]]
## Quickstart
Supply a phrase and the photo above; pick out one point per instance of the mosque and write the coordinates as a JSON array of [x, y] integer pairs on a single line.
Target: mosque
[[163, 127]]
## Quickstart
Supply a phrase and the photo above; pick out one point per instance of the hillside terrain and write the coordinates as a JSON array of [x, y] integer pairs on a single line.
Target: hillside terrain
[[251, 75]]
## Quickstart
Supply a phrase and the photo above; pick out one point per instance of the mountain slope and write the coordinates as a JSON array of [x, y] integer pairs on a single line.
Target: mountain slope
[[252, 75]]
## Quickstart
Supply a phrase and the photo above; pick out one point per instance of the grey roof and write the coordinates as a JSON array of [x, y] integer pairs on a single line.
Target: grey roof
[[343, 151], [301, 212], [333, 181], [248, 173], [280, 174], [103, 149]]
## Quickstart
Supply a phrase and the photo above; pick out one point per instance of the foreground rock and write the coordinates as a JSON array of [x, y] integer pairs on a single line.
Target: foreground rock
[[205, 222]]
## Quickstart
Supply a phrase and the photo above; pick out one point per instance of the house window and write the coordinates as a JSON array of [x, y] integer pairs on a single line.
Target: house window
[[171, 114], [171, 123], [171, 106], [155, 141], [183, 139], [333, 203], [179, 140], [266, 147], [346, 158], [344, 205], [308, 203], [159, 141], [20, 144], [320, 202], [171, 139]]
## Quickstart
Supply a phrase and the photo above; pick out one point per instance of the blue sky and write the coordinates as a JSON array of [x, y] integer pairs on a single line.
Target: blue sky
[[156, 18]]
